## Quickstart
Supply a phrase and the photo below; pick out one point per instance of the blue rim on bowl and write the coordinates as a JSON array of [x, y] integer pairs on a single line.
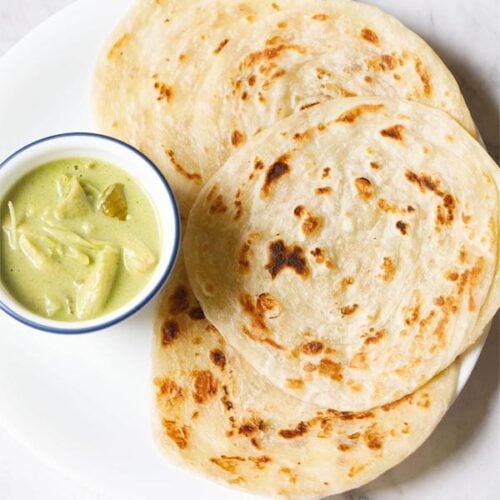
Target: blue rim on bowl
[[100, 323]]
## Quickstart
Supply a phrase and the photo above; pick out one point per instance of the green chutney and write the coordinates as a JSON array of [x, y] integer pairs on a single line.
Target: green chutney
[[79, 239]]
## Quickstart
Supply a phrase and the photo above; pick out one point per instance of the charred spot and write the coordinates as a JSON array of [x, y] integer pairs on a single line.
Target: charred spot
[[312, 348], [298, 210], [364, 188], [180, 169], [311, 224], [374, 165], [179, 300], [218, 358], [251, 80], [385, 62], [272, 51], [164, 91], [251, 426], [424, 182], [196, 313], [182, 57], [402, 227], [221, 45], [323, 190], [348, 310], [394, 132], [275, 171], [325, 173], [237, 138], [452, 276], [299, 430], [244, 95], [370, 36], [281, 257], [350, 415], [353, 114], [329, 368], [410, 209], [169, 332], [179, 435], [205, 386], [310, 105]]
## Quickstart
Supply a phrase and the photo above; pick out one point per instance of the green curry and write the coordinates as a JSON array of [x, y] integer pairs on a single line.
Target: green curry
[[79, 240]]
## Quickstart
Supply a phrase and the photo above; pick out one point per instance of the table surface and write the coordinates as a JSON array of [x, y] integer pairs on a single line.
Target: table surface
[[460, 460]]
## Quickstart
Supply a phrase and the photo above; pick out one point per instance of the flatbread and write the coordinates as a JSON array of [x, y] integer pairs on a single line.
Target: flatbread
[[216, 415], [189, 83], [352, 247]]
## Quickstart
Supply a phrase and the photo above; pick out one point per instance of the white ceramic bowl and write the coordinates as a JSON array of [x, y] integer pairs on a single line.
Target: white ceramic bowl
[[145, 173]]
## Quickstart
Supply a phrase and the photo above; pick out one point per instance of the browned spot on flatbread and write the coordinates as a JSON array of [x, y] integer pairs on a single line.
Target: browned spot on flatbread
[[323, 190], [372, 438], [329, 368], [311, 224], [385, 62], [228, 463], [218, 206], [272, 51], [424, 76], [178, 434], [394, 132], [346, 281], [402, 227], [196, 313], [348, 310], [257, 309], [370, 36], [168, 390], [238, 205], [165, 92], [218, 358], [343, 447], [281, 256], [169, 332], [221, 45], [375, 337], [320, 17], [388, 269], [364, 188], [295, 383], [351, 115], [181, 170], [237, 138], [375, 165], [312, 348], [260, 461], [355, 470], [299, 430], [310, 105], [325, 173], [275, 172], [298, 210], [205, 386], [179, 300]]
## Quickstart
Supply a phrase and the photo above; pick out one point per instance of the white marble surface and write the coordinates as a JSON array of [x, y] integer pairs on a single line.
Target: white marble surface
[[461, 459]]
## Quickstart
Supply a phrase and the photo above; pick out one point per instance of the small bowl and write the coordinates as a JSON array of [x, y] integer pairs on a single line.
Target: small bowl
[[144, 172]]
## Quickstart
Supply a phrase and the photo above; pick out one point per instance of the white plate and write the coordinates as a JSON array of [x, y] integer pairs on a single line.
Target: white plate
[[82, 403]]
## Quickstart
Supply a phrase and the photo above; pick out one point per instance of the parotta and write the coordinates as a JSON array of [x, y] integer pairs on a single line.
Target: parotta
[[189, 83], [350, 250]]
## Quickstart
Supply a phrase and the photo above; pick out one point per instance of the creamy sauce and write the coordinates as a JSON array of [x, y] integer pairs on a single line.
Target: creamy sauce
[[79, 239]]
